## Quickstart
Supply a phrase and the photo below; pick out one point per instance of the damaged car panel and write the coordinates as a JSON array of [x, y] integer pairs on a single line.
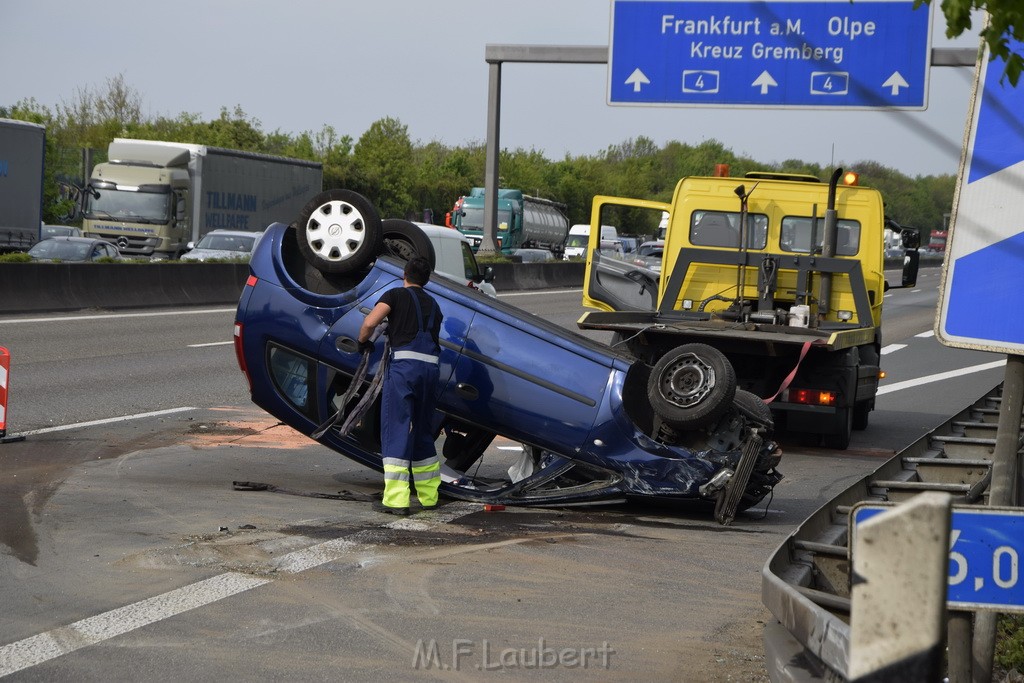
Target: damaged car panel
[[579, 408]]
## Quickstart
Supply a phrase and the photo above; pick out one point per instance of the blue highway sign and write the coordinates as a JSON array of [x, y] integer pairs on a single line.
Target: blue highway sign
[[984, 269], [823, 54], [986, 545]]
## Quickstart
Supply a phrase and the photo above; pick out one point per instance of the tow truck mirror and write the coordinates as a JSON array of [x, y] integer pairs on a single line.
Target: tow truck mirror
[[911, 263], [910, 238]]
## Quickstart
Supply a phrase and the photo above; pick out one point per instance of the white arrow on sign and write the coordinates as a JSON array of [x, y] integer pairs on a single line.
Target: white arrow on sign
[[637, 79], [895, 82], [765, 80]]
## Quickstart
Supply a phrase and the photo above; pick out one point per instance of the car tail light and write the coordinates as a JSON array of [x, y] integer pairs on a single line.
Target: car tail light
[[251, 281], [240, 354], [814, 397]]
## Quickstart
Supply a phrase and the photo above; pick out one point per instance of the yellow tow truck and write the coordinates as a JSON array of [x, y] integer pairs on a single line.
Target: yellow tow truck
[[772, 283]]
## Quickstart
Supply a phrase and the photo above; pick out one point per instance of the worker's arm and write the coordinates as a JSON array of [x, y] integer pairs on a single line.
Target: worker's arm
[[372, 319]]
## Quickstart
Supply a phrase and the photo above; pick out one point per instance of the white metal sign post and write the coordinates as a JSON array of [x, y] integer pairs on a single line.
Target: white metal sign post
[[984, 273]]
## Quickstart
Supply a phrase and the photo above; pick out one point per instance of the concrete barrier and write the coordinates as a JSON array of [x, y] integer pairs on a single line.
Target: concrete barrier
[[39, 287]]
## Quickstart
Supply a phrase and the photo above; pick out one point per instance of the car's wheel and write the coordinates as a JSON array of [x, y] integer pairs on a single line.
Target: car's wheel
[[753, 408], [691, 386], [839, 439], [404, 240], [339, 231]]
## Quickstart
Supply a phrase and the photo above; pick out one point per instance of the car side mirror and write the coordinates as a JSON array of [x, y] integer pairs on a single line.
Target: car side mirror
[[488, 274], [911, 264]]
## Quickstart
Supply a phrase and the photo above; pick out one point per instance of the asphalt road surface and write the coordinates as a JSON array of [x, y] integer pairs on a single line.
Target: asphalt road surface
[[127, 554]]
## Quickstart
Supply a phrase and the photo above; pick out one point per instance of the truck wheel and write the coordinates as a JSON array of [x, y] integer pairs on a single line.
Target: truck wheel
[[839, 440], [691, 386], [339, 231], [861, 411], [404, 240]]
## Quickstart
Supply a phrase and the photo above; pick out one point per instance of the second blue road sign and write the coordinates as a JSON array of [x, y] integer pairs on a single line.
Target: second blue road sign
[[801, 54]]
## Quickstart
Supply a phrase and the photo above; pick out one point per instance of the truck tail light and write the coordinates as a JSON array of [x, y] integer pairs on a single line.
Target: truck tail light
[[240, 354], [812, 397]]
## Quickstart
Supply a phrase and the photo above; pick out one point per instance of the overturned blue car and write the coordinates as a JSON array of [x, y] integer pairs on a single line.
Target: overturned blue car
[[592, 423]]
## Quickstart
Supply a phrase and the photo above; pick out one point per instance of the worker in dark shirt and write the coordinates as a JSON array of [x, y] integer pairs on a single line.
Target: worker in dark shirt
[[409, 391]]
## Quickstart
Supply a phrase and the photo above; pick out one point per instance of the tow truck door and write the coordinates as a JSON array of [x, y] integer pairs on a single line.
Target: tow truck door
[[618, 282]]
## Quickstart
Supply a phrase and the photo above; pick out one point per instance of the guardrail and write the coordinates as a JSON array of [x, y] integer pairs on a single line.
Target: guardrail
[[806, 582]]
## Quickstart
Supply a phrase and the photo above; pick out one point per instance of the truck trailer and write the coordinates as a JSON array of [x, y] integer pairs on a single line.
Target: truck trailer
[[152, 198], [22, 149], [523, 221], [772, 283]]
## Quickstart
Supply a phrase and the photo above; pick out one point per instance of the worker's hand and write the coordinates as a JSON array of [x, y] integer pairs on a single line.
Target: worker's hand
[[365, 346]]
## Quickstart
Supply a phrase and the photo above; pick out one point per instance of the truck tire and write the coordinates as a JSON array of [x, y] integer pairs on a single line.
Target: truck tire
[[691, 386], [839, 439], [861, 410], [404, 240], [339, 231]]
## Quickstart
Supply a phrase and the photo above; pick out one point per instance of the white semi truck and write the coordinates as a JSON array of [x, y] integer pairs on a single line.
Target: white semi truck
[[152, 198], [22, 148]]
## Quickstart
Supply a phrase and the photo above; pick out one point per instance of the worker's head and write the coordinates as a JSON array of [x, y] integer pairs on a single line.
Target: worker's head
[[417, 271]]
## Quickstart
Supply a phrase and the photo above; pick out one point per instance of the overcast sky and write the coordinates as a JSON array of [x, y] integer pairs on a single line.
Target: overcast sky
[[297, 65]]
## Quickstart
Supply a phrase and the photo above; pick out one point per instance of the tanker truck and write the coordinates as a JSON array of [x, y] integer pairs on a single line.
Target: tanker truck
[[523, 221], [152, 198]]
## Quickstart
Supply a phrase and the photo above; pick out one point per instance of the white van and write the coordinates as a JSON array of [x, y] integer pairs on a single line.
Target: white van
[[453, 258], [579, 236]]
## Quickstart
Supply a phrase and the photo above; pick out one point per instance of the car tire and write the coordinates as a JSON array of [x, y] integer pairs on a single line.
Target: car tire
[[339, 231], [404, 240], [691, 386], [753, 408]]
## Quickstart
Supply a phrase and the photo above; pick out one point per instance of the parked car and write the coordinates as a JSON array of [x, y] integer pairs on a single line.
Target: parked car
[[72, 249], [223, 244], [59, 231], [581, 408]]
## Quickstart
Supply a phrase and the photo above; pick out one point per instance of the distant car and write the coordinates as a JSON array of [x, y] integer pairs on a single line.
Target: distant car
[[649, 255], [223, 244], [73, 250], [48, 231], [533, 255], [584, 410]]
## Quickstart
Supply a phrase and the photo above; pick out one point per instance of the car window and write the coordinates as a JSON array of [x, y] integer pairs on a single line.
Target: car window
[[293, 377]]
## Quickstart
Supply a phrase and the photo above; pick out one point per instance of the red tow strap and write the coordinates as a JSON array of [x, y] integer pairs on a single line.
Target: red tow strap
[[792, 373]]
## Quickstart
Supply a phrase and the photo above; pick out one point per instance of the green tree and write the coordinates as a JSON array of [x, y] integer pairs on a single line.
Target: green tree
[[1006, 21], [382, 167]]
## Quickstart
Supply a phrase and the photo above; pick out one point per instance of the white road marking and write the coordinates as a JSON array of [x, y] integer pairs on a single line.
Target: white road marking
[[109, 420], [898, 386], [92, 630], [892, 347], [223, 343], [502, 295], [62, 640], [925, 335], [105, 316]]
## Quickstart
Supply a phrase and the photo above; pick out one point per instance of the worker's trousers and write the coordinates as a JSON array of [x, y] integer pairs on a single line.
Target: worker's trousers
[[408, 399]]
